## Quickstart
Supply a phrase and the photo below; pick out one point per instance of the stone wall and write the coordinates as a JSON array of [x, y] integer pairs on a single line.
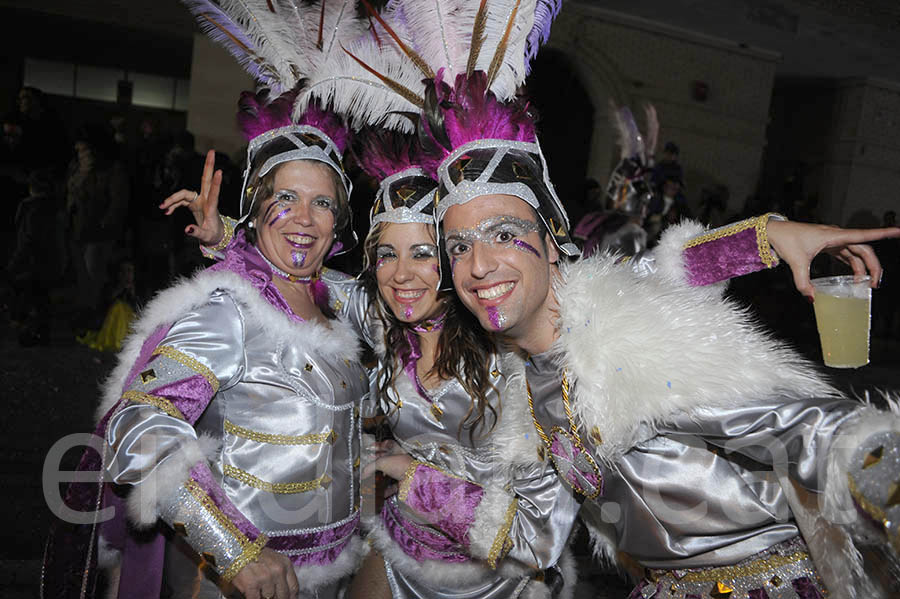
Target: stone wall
[[635, 61]]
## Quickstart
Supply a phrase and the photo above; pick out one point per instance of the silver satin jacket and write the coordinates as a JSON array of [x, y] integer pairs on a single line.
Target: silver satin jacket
[[240, 424]]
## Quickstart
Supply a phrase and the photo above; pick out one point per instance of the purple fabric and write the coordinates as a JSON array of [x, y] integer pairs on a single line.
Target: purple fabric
[[806, 588], [417, 541], [150, 343], [202, 475], [447, 503], [637, 592], [723, 258], [757, 594], [142, 566], [244, 260], [318, 539], [190, 395]]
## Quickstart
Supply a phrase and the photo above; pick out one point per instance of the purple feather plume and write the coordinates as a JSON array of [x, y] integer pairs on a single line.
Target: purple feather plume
[[544, 13], [327, 122], [470, 112], [256, 116], [382, 152]]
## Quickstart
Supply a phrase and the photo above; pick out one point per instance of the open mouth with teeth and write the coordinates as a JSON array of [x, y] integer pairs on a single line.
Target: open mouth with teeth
[[301, 241], [408, 296], [494, 292]]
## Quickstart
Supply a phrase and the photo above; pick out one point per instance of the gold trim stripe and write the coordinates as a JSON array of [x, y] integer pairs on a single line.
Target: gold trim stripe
[[755, 568], [186, 360], [228, 226], [249, 554], [275, 439], [157, 402], [279, 488], [406, 483], [762, 239], [500, 541]]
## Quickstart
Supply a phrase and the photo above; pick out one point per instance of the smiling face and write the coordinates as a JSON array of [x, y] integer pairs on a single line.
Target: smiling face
[[406, 268], [501, 267], [296, 225]]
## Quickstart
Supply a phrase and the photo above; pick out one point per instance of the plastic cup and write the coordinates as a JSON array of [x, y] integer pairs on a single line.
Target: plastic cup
[[843, 314]]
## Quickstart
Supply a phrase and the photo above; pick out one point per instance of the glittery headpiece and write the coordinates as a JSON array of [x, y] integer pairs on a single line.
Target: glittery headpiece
[[273, 140], [405, 190], [490, 147]]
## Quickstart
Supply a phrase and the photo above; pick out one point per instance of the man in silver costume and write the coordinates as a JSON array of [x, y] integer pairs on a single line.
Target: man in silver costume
[[658, 401]]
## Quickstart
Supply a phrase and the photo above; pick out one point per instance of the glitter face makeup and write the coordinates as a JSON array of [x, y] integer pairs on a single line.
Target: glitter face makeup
[[498, 231], [408, 312], [298, 258], [496, 316]]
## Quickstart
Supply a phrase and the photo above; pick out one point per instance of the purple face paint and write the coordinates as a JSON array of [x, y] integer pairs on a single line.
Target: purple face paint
[[280, 215], [408, 312], [298, 258], [435, 268], [453, 262], [497, 318], [526, 247], [380, 263]]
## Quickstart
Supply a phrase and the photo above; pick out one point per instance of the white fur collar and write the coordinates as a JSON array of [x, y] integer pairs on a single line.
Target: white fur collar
[[333, 342], [641, 349], [638, 351]]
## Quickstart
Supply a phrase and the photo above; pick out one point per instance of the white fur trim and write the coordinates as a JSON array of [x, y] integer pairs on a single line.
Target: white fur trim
[[490, 516], [333, 342], [145, 498], [640, 349], [669, 253], [313, 576], [107, 555], [604, 541], [432, 572]]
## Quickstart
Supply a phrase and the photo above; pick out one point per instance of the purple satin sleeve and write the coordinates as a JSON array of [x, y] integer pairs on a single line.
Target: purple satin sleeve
[[190, 396], [446, 502], [729, 252], [418, 541], [203, 477]]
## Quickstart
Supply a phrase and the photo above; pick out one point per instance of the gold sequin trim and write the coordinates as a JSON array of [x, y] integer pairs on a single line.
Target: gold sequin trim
[[762, 239], [158, 402], [250, 554], [185, 360], [279, 488], [228, 224], [406, 483], [500, 541], [275, 439], [762, 566], [873, 511]]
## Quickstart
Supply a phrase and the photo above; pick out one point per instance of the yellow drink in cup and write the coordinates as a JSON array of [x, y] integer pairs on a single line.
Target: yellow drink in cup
[[843, 315]]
